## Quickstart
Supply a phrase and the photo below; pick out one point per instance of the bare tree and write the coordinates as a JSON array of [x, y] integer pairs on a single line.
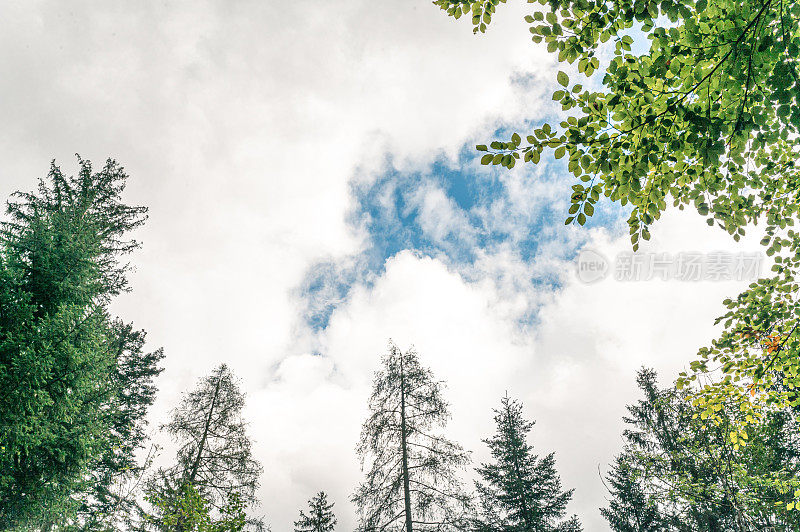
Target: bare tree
[[411, 481], [214, 458]]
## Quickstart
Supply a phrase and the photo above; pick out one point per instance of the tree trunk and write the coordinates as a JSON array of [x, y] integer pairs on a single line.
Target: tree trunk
[[196, 464], [404, 447]]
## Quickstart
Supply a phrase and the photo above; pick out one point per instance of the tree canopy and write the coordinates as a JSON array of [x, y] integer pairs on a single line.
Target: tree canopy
[[680, 472], [706, 117], [698, 106], [188, 510]]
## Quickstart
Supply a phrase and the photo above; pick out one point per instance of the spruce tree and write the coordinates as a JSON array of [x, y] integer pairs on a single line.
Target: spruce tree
[[630, 508], [411, 481], [73, 392], [519, 491], [214, 459], [320, 516]]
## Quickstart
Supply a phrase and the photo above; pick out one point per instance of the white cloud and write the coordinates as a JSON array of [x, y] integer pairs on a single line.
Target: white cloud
[[440, 218]]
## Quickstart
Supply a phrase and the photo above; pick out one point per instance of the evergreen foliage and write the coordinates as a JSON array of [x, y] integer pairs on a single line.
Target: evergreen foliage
[[320, 516], [74, 383], [520, 491]]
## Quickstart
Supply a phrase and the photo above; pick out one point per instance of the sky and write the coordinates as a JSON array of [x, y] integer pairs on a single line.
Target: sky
[[314, 192]]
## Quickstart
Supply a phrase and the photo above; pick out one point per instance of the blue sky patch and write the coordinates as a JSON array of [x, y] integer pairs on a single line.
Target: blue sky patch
[[455, 212]]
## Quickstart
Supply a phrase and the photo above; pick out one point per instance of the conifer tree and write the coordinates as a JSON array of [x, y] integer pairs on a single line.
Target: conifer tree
[[73, 391], [630, 508], [519, 491], [411, 481], [214, 460], [320, 516]]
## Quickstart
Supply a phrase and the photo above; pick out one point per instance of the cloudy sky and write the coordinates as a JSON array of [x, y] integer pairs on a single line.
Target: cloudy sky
[[313, 192]]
